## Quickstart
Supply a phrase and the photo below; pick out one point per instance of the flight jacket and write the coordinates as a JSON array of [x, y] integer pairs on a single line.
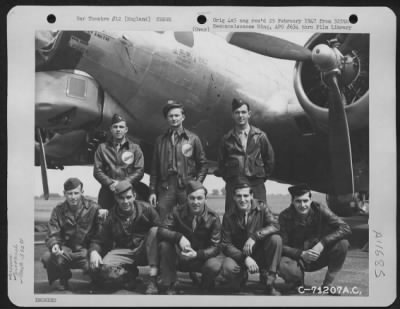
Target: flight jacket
[[113, 234], [260, 224], [191, 160], [256, 162], [66, 230], [320, 225], [126, 164], [206, 237]]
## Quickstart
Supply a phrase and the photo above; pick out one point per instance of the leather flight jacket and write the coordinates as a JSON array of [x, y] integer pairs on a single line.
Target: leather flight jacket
[[320, 225], [206, 237], [65, 229], [115, 234], [125, 164], [261, 223], [191, 162], [256, 162]]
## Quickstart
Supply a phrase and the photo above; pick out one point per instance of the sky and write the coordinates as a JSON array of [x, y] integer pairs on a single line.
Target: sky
[[57, 178]]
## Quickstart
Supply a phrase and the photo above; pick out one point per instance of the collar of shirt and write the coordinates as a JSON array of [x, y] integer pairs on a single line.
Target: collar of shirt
[[246, 131], [187, 213], [179, 131], [115, 144]]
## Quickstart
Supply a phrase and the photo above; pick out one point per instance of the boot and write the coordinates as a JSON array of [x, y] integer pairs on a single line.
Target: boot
[[63, 286], [269, 285], [152, 287], [195, 279]]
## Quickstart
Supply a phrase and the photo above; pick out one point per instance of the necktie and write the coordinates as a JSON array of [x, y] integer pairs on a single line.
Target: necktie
[[245, 218], [194, 223], [174, 138], [243, 139], [117, 146]]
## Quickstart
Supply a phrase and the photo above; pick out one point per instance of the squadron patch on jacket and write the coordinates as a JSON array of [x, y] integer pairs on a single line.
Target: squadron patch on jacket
[[187, 150], [127, 157]]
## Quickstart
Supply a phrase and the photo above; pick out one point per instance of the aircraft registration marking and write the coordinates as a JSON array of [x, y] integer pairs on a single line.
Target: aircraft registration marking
[[184, 58], [101, 36], [78, 44]]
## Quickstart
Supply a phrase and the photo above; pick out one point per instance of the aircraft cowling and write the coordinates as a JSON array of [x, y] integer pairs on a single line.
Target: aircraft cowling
[[73, 114], [67, 100], [312, 92]]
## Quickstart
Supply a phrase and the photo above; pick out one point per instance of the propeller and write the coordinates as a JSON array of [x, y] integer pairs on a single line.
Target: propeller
[[43, 166], [339, 138], [269, 45], [329, 61]]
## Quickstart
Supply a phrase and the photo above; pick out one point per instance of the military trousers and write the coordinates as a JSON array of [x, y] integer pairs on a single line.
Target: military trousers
[[170, 195], [106, 198], [332, 256], [119, 265], [266, 253], [59, 266], [171, 261]]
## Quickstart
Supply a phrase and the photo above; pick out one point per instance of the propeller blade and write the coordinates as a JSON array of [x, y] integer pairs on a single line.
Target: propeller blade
[[339, 139], [43, 166], [269, 45]]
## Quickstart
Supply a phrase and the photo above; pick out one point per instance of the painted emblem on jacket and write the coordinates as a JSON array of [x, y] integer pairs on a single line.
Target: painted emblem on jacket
[[187, 150], [127, 157]]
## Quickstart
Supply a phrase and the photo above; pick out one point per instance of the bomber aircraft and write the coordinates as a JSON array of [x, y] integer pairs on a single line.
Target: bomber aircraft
[[319, 131]]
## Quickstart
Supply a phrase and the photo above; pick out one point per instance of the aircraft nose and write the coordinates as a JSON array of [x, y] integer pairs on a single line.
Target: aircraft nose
[[65, 100]]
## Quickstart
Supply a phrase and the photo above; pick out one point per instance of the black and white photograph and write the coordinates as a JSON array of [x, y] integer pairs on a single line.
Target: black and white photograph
[[230, 162]]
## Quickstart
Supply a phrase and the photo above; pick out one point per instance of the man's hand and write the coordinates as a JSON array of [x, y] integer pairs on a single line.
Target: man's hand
[[56, 250], [251, 265], [309, 256], [184, 244], [153, 199], [248, 246], [319, 247], [103, 213], [112, 186], [95, 260], [189, 253]]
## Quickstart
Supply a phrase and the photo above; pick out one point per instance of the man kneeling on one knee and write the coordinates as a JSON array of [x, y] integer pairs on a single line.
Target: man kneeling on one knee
[[189, 240], [313, 237], [128, 238], [250, 240]]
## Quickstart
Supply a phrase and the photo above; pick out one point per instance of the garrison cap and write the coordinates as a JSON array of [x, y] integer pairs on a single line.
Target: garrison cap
[[122, 186], [299, 189], [238, 103], [194, 185], [170, 105], [117, 118], [241, 182], [72, 183]]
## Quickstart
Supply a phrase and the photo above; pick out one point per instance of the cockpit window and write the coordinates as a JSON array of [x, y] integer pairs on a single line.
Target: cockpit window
[[185, 38]]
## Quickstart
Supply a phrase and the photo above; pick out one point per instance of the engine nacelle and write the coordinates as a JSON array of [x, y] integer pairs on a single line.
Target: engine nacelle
[[312, 92], [67, 100]]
